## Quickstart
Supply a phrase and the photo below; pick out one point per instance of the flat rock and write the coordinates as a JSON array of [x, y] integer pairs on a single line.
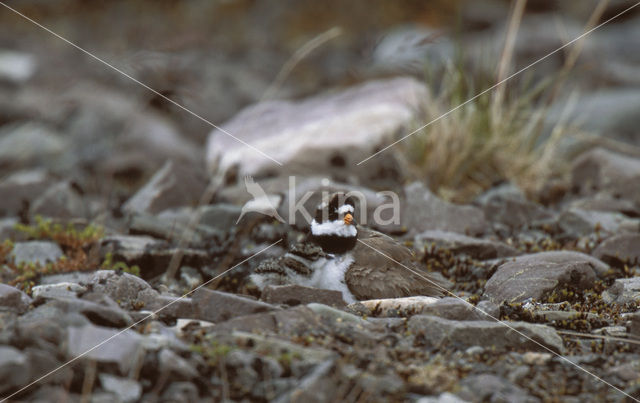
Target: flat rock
[[424, 211], [577, 222], [173, 185], [600, 170], [508, 206], [60, 200], [36, 252], [476, 248], [16, 67], [102, 311], [489, 387], [440, 333], [57, 291], [124, 350], [125, 390], [619, 250], [535, 275], [124, 288], [14, 369], [325, 133], [297, 294], [12, 299], [623, 290], [22, 144], [217, 306], [21, 188]]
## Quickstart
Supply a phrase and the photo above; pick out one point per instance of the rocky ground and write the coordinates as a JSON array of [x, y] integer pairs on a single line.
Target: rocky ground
[[108, 215]]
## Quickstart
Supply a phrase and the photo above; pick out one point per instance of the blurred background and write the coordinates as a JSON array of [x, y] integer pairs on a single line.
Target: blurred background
[[65, 113]]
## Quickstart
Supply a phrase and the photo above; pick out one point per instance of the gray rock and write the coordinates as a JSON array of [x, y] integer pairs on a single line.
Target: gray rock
[[507, 205], [619, 250], [176, 366], [75, 277], [535, 275], [15, 370], [490, 308], [221, 217], [323, 134], [577, 223], [21, 188], [12, 299], [634, 327], [296, 295], [181, 392], [16, 67], [424, 211], [124, 288], [442, 398], [37, 252], [440, 333], [622, 291], [61, 200], [29, 143], [489, 387], [8, 228], [103, 311], [57, 291], [173, 185], [607, 172], [124, 350], [477, 248], [606, 202], [125, 390], [217, 306], [454, 309]]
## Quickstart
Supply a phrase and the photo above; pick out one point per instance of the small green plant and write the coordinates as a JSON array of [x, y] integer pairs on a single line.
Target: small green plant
[[67, 236], [109, 264]]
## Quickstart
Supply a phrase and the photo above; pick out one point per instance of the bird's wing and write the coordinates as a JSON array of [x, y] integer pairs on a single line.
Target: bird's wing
[[373, 275]]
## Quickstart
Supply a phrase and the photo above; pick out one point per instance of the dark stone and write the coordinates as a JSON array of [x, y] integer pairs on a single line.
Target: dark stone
[[217, 306], [476, 248], [536, 275], [442, 333], [296, 295], [424, 211], [619, 250], [13, 299]]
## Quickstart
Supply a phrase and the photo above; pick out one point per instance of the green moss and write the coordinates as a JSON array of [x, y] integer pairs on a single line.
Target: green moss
[[109, 264]]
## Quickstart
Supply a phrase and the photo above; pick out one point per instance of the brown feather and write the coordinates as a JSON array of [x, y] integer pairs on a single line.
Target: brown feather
[[373, 275]]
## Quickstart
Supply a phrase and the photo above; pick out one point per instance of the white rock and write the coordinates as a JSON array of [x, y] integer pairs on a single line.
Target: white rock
[[16, 67]]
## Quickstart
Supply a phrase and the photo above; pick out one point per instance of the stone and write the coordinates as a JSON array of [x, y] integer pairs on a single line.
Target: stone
[[489, 387], [28, 143], [12, 299], [36, 252], [126, 390], [21, 188], [181, 392], [477, 248], [103, 311], [508, 206], [124, 288], [634, 326], [442, 398], [57, 291], [619, 250], [15, 370], [442, 333], [61, 200], [124, 349], [577, 223], [16, 67], [173, 185], [424, 211], [606, 202], [622, 291], [176, 366], [221, 216], [600, 170], [321, 134], [392, 307], [217, 306], [297, 295], [536, 275]]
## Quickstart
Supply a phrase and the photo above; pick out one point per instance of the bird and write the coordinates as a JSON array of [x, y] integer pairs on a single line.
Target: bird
[[339, 254], [261, 202]]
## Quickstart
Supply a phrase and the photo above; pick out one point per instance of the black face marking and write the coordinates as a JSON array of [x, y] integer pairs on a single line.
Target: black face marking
[[330, 211], [334, 243]]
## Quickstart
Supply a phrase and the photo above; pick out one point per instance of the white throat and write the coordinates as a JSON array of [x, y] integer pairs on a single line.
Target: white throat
[[336, 227]]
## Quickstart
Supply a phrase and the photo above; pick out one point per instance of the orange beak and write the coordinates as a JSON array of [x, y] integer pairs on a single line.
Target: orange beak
[[348, 219]]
